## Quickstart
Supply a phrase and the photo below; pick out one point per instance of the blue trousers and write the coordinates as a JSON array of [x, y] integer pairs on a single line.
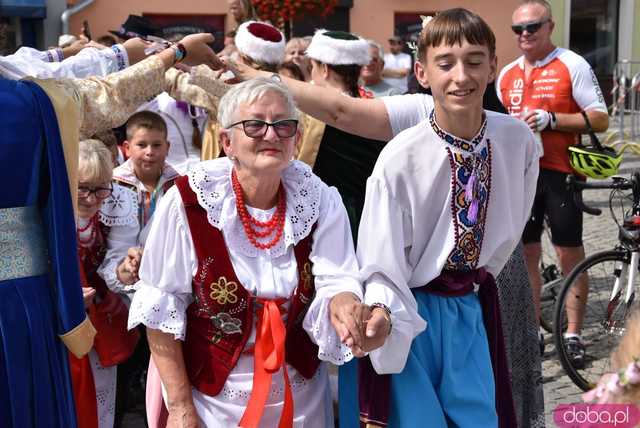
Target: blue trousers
[[447, 380]]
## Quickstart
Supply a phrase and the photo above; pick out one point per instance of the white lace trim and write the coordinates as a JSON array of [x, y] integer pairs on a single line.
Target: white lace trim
[[109, 273], [119, 209], [276, 392], [330, 348], [158, 310], [211, 181]]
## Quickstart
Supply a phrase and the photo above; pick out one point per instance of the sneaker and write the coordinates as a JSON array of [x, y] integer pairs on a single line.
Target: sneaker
[[575, 351]]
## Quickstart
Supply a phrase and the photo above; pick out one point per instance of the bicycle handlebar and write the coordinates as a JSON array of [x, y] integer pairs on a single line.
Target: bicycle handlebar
[[617, 184], [577, 186]]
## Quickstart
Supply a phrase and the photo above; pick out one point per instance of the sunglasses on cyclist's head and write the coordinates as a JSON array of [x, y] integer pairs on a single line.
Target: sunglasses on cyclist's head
[[529, 27]]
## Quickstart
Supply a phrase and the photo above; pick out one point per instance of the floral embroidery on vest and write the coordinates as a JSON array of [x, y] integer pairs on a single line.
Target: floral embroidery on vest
[[224, 291], [465, 160], [226, 323]]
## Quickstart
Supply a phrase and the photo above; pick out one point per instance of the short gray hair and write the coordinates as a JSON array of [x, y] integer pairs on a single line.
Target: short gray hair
[[248, 92], [544, 3], [376, 45], [95, 161]]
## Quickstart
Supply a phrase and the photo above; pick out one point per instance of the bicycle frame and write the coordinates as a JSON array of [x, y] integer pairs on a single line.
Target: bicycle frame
[[626, 272]]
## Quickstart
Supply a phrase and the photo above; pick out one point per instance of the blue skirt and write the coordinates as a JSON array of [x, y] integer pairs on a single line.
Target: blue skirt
[[35, 385], [448, 379]]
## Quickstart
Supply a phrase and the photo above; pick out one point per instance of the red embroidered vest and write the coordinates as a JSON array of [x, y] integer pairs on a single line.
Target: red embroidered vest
[[91, 258], [220, 320]]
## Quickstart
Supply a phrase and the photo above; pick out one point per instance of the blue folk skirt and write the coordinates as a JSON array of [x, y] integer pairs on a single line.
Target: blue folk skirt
[[448, 378], [35, 385]]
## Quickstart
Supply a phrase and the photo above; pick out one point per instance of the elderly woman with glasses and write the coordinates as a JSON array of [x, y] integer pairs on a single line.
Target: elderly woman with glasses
[[249, 280], [107, 227]]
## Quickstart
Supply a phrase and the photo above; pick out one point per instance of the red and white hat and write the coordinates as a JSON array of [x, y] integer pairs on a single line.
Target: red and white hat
[[261, 42]]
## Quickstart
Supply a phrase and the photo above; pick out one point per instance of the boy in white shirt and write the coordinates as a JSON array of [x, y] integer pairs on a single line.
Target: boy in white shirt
[[445, 207]]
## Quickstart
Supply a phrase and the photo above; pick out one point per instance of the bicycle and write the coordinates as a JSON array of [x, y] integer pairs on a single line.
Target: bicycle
[[551, 281], [612, 276]]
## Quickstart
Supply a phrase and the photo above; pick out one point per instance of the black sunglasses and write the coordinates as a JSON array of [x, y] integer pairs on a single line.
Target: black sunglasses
[[256, 128], [529, 27]]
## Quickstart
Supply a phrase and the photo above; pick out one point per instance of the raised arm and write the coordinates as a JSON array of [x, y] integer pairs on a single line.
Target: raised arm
[[201, 87], [108, 102], [365, 117]]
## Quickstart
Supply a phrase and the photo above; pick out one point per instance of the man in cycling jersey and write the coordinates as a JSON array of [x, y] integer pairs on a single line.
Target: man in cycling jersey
[[549, 87]]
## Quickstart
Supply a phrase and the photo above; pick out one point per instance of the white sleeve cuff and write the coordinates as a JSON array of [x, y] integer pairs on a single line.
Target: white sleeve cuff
[[406, 325], [317, 323], [159, 310]]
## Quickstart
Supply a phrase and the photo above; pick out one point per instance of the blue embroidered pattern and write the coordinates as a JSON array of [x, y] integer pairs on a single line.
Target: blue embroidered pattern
[[22, 245], [464, 161], [467, 146]]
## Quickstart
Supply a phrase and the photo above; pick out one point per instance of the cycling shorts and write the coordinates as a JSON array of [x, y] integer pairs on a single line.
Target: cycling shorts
[[556, 203]]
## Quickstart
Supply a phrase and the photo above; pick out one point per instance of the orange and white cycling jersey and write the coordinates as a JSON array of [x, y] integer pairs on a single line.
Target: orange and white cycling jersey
[[563, 82]]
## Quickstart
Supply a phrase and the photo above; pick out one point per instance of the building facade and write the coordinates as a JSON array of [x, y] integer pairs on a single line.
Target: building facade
[[375, 19], [603, 31]]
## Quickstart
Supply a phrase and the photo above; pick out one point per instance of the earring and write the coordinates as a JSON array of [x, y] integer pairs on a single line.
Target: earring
[[232, 158]]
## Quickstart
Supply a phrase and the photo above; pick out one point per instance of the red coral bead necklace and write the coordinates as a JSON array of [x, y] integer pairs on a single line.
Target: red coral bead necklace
[[251, 225]]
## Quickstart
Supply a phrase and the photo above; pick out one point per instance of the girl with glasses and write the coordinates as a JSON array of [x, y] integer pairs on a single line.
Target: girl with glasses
[[107, 227]]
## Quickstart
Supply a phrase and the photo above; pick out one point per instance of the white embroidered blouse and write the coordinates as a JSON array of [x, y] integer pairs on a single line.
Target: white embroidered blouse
[[416, 220], [120, 212], [169, 263]]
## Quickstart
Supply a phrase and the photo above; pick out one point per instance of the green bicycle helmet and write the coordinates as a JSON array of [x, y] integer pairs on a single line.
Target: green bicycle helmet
[[594, 162]]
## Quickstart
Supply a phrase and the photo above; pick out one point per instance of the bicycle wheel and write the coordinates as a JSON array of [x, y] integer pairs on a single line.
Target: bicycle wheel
[[604, 315]]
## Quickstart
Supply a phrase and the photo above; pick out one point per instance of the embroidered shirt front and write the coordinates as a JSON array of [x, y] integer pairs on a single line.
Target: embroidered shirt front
[[470, 163]]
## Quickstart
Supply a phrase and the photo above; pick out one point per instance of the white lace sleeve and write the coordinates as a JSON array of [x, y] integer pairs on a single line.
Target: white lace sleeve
[[335, 269], [168, 264], [119, 212]]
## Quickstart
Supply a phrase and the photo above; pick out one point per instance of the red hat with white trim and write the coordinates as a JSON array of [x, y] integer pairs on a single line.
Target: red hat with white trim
[[261, 42]]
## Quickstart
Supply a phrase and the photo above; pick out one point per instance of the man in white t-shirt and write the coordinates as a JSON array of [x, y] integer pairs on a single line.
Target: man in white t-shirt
[[397, 65]]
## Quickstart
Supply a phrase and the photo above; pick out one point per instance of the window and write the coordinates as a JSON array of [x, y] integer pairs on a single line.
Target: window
[[8, 35], [594, 33]]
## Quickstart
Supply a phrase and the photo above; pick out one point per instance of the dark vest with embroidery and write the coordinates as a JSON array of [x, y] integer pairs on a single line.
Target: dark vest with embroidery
[[220, 320], [92, 257]]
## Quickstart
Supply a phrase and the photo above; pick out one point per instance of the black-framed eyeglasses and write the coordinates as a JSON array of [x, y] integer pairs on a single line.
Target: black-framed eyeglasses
[[256, 128], [99, 192], [529, 27]]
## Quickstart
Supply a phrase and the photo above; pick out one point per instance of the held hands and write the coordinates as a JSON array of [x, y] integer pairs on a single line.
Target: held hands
[[198, 51], [196, 45], [127, 271], [358, 327], [539, 120], [346, 314], [240, 70], [378, 328]]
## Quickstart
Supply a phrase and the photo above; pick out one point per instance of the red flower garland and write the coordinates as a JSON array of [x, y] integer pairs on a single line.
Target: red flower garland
[[281, 11], [274, 224]]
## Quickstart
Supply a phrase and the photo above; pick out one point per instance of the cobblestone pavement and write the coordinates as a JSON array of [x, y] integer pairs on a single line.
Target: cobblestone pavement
[[600, 233]]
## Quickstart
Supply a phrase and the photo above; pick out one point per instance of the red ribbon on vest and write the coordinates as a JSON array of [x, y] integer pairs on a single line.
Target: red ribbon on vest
[[268, 358]]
